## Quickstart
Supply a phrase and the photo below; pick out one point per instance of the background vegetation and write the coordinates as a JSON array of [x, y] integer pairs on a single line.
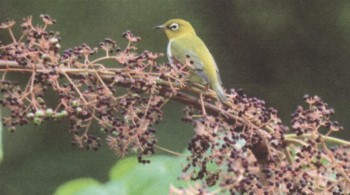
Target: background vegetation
[[275, 50]]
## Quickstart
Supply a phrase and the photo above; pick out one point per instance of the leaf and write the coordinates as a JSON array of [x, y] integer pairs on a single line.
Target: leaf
[[130, 177], [75, 186], [153, 178], [122, 168]]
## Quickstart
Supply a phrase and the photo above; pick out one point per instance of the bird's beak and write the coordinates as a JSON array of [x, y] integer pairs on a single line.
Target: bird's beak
[[159, 27]]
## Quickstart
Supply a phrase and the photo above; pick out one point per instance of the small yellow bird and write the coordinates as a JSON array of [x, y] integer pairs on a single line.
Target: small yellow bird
[[184, 43]]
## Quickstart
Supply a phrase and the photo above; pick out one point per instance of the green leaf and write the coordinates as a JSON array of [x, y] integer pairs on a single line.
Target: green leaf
[[75, 186], [153, 178], [130, 177], [122, 168], [110, 188]]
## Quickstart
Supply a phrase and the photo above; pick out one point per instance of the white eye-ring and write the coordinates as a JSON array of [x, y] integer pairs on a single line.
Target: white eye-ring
[[174, 26]]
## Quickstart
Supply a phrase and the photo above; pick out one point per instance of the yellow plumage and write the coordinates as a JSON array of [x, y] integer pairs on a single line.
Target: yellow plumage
[[183, 43]]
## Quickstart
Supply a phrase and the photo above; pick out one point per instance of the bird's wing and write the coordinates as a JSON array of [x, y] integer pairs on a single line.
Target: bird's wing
[[218, 73], [181, 52]]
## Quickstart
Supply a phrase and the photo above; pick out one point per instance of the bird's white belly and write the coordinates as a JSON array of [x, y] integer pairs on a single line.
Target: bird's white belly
[[168, 51]]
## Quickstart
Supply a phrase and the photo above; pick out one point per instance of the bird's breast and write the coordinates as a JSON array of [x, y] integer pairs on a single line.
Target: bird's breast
[[168, 51]]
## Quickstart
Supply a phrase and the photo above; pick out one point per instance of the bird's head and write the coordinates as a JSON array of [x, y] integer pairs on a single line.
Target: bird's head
[[176, 27]]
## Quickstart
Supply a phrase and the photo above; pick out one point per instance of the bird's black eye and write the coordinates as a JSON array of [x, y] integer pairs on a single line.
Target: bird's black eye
[[174, 26]]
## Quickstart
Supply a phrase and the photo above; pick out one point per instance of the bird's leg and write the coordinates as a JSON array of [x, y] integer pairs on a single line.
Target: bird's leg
[[208, 91], [204, 112], [199, 86]]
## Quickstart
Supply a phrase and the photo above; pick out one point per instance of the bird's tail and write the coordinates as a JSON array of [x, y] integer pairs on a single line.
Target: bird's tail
[[219, 92]]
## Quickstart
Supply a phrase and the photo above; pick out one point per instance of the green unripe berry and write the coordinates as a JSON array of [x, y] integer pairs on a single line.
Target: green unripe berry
[[53, 40], [64, 113], [115, 133], [75, 103], [58, 46], [49, 112], [30, 115], [79, 109], [45, 57], [37, 121], [39, 113], [61, 114], [12, 129]]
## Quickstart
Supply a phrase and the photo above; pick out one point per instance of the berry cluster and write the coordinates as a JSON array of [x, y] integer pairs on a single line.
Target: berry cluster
[[238, 146], [89, 92], [230, 152], [310, 120], [237, 156]]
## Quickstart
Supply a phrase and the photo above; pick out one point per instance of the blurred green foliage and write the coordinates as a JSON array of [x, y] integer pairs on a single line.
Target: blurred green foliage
[[129, 177], [274, 50]]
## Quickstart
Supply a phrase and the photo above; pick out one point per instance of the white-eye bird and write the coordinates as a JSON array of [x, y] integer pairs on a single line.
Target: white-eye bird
[[184, 43]]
